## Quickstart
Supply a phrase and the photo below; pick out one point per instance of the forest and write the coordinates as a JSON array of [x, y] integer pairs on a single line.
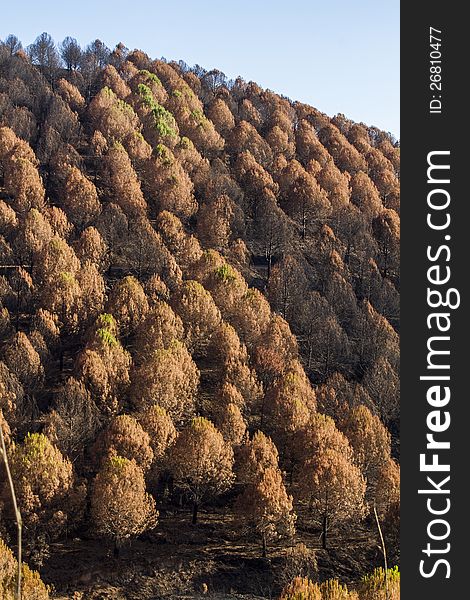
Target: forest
[[199, 335]]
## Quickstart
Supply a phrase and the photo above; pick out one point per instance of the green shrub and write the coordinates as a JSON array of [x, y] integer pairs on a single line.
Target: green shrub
[[333, 590], [372, 587], [225, 273], [146, 95], [150, 76], [164, 122]]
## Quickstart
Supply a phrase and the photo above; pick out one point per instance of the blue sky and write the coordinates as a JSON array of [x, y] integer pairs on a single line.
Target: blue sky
[[338, 55]]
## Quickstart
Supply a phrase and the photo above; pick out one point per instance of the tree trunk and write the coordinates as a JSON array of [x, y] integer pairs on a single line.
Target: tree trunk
[[384, 550], [265, 548], [262, 413], [195, 509], [324, 532], [17, 317], [61, 357]]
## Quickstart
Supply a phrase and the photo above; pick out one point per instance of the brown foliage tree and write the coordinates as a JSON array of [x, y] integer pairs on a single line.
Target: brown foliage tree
[[168, 185], [256, 181], [374, 339], [255, 456], [79, 197], [226, 394], [70, 94], [309, 146], [110, 78], [184, 247], [304, 200], [335, 183], [192, 121], [201, 462], [113, 117], [387, 492], [56, 271], [160, 428], [58, 221], [170, 378], [328, 478], [280, 142], [159, 329], [199, 314], [156, 291], [22, 182], [230, 363], [91, 247], [193, 163], [345, 155], [11, 144], [365, 195], [214, 222], [245, 137], [370, 442], [226, 285], [34, 233], [8, 219], [125, 437], [104, 364], [92, 290], [265, 506], [230, 423], [128, 304], [120, 507], [121, 179], [275, 349], [288, 405], [23, 360], [386, 229], [43, 481], [392, 153], [251, 317], [220, 114], [264, 503]]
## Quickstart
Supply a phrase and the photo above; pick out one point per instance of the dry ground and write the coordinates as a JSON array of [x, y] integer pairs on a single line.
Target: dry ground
[[178, 560]]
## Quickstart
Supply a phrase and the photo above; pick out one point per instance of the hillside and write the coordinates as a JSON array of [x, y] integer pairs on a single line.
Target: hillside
[[199, 320]]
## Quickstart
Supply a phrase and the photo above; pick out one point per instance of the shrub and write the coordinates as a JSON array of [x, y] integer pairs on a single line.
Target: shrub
[[301, 588], [299, 561], [372, 587], [31, 585], [333, 590]]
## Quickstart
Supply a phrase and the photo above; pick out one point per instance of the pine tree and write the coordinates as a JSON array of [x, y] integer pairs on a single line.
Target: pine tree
[[120, 507], [201, 462]]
